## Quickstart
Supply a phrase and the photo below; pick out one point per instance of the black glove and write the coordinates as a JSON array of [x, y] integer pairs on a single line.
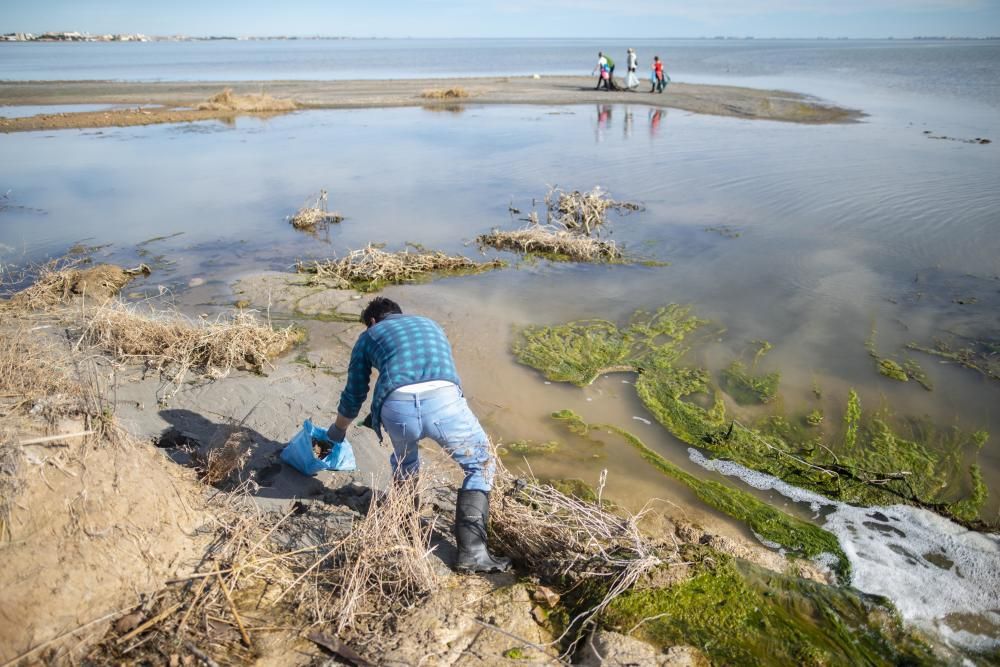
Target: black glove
[[336, 434]]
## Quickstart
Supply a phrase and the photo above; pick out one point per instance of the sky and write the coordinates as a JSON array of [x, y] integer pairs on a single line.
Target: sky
[[509, 18]]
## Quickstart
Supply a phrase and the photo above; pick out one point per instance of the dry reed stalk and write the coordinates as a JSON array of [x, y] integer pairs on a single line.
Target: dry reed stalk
[[567, 540], [172, 343], [11, 481], [314, 214], [455, 93], [371, 267], [550, 240], [250, 103], [583, 211]]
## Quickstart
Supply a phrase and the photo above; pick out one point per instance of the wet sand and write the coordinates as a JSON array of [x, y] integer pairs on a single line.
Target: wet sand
[[177, 98]]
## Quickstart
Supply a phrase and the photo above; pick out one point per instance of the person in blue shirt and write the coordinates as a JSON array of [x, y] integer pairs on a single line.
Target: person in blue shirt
[[418, 395]]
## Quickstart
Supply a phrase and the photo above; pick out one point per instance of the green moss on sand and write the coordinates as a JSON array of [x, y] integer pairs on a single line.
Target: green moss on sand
[[740, 614]]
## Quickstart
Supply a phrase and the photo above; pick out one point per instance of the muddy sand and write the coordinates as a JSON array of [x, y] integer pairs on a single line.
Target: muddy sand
[[177, 102]]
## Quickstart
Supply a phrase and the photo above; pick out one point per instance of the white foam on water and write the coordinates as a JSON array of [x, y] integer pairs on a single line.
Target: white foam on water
[[932, 569]]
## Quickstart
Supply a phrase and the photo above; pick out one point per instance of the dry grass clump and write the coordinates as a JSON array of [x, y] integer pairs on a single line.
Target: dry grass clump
[[551, 241], [364, 583], [34, 375], [59, 282], [250, 103], [562, 538], [371, 268], [585, 211], [314, 214], [445, 93], [167, 341]]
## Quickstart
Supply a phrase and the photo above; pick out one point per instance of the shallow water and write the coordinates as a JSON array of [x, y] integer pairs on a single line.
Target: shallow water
[[840, 228]]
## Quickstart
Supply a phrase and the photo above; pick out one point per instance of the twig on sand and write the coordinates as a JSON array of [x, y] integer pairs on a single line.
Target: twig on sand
[[148, 624], [232, 608]]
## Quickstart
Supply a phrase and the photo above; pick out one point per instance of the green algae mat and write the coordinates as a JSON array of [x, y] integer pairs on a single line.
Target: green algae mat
[[869, 458]]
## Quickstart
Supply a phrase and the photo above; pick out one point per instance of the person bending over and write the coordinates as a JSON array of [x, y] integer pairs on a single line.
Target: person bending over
[[418, 395]]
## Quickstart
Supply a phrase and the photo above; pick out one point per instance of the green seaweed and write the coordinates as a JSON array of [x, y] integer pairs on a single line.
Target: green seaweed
[[528, 448], [738, 613], [891, 369], [747, 388], [797, 536], [916, 372], [869, 462], [814, 418]]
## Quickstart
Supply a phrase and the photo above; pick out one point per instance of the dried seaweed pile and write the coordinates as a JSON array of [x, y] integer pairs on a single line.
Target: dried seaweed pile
[[60, 281], [314, 214], [175, 344], [574, 220], [251, 103], [371, 268], [553, 242]]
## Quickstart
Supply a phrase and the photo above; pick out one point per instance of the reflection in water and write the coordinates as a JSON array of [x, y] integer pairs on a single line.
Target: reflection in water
[[603, 121], [655, 117], [627, 125]]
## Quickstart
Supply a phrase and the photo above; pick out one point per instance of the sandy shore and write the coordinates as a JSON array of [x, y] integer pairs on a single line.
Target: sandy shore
[[716, 100]]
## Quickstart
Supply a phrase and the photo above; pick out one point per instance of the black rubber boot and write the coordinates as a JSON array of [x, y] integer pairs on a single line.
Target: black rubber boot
[[472, 514]]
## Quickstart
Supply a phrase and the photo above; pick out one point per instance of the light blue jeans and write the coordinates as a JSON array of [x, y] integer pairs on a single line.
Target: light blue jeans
[[444, 416]]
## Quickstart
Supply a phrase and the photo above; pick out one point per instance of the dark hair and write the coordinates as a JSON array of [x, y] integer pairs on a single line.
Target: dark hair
[[377, 309]]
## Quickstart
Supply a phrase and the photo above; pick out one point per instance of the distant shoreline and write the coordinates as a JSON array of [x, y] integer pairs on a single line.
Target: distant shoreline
[[176, 99]]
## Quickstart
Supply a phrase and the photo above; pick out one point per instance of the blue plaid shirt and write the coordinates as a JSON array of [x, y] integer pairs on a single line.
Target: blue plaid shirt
[[405, 349]]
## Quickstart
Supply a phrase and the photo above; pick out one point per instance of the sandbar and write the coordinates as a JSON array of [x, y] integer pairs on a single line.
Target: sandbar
[[176, 101]]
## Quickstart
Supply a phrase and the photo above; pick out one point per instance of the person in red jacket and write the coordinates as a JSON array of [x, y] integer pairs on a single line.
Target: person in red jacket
[[659, 80]]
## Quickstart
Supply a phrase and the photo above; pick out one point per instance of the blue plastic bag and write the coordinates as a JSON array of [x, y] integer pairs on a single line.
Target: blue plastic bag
[[299, 452]]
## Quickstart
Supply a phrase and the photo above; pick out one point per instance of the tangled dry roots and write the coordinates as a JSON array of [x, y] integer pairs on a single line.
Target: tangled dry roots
[[371, 267], [552, 241], [583, 211], [170, 342]]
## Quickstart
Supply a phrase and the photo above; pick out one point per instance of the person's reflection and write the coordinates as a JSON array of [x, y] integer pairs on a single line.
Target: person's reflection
[[627, 125], [603, 120], [655, 117]]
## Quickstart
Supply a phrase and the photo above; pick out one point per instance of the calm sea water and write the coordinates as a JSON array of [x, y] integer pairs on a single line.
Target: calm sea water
[[963, 69], [835, 230]]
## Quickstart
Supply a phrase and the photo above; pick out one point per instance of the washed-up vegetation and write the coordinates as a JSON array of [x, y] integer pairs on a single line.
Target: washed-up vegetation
[[248, 103], [173, 344], [871, 461], [371, 268], [456, 93], [605, 573], [61, 281], [583, 211], [553, 243], [313, 215]]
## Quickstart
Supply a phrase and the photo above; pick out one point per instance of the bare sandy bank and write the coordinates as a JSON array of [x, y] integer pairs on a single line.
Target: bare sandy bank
[[697, 98]]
